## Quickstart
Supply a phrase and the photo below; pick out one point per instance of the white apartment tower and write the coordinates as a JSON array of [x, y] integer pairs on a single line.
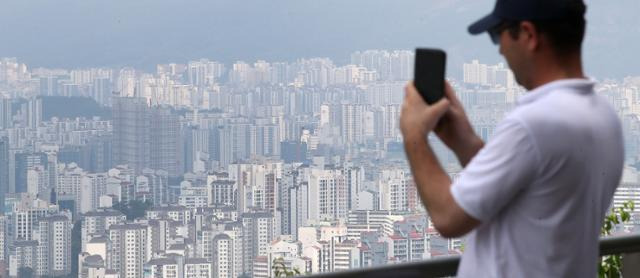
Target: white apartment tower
[[128, 249], [198, 268], [54, 238], [353, 123], [394, 193], [328, 195], [258, 230], [223, 249]]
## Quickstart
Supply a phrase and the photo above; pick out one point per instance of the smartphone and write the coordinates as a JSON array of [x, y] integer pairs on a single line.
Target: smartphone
[[429, 72]]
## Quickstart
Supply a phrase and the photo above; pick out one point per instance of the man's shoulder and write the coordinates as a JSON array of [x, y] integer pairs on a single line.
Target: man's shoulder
[[561, 105], [563, 113]]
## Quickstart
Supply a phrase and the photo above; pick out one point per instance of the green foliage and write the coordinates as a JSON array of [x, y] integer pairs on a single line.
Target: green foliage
[[281, 270], [611, 266], [133, 209]]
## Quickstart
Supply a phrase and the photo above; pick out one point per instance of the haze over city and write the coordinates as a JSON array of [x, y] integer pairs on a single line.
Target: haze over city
[[140, 34], [242, 138]]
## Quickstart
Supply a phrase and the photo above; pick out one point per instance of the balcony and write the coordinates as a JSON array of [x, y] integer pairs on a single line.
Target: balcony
[[629, 245]]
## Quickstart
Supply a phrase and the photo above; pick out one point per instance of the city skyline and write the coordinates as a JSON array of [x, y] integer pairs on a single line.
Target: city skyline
[[247, 138], [210, 169]]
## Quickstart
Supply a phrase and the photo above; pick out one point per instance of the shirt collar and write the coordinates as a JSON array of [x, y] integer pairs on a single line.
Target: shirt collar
[[576, 84]]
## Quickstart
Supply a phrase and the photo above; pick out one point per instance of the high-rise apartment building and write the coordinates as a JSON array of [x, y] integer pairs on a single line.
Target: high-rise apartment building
[[23, 162], [6, 113], [22, 254], [4, 169], [223, 256], [165, 141], [38, 182], [101, 89], [128, 249], [222, 192], [394, 192], [92, 187], [474, 73], [131, 132], [54, 239], [482, 74], [198, 268], [328, 195], [258, 230], [352, 123], [158, 186], [49, 85], [34, 112], [23, 220], [97, 223], [3, 226], [146, 137], [204, 72], [164, 268], [70, 184], [354, 182]]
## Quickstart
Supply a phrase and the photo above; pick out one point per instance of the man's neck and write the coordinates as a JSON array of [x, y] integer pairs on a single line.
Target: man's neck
[[554, 69]]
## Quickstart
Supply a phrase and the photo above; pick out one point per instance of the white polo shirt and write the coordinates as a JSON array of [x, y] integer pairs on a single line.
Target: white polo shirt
[[542, 185]]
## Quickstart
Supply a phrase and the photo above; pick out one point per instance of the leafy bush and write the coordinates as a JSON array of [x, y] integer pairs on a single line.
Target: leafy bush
[[611, 266]]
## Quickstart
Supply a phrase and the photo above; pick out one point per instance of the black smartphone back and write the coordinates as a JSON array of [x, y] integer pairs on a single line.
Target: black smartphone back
[[429, 73]]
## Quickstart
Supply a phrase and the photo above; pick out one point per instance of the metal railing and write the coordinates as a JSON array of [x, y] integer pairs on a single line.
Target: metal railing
[[448, 265]]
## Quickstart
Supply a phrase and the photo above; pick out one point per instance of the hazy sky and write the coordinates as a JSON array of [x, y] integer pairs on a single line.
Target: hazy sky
[[142, 33]]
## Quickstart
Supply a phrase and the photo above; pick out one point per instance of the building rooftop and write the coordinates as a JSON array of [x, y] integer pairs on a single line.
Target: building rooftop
[[108, 212], [226, 182], [169, 208], [98, 239], [178, 246], [161, 261], [93, 261], [128, 226], [25, 243], [54, 218], [221, 237], [257, 215], [196, 261]]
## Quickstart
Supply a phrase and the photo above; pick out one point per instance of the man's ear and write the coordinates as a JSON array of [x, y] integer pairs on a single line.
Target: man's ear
[[530, 35]]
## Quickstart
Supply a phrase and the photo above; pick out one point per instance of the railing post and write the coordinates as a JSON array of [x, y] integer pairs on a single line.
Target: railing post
[[631, 265], [626, 245]]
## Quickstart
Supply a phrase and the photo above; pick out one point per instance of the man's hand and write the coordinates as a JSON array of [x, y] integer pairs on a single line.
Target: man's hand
[[455, 130], [417, 118]]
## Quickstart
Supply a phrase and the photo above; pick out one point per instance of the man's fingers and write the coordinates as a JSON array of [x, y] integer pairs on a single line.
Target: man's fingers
[[450, 94], [411, 92], [439, 108]]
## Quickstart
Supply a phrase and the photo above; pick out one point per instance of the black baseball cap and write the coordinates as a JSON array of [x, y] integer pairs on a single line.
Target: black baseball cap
[[519, 10]]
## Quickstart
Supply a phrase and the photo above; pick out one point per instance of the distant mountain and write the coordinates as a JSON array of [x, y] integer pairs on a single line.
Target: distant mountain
[[142, 33], [72, 107]]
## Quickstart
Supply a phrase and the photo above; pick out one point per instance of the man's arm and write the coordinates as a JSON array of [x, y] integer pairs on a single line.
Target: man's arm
[[455, 130], [433, 185], [417, 120]]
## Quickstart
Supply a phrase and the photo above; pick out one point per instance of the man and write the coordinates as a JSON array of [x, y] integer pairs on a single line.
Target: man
[[534, 197]]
